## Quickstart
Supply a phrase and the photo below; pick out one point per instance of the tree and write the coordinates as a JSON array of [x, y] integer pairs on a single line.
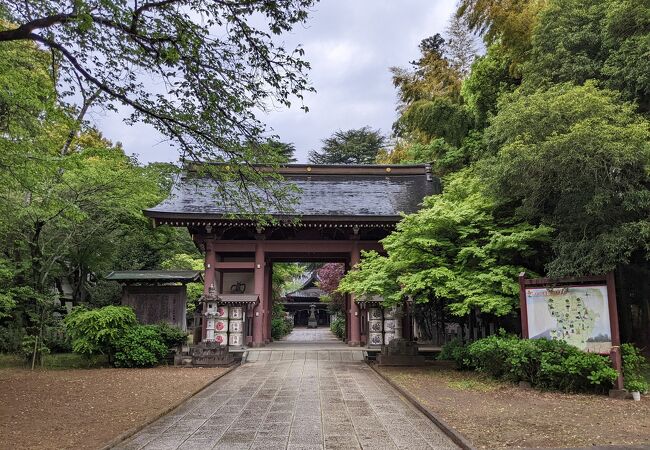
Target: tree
[[284, 151], [490, 77], [358, 146], [510, 22], [605, 40], [577, 159], [432, 76], [329, 276], [460, 46], [68, 205], [208, 66], [433, 115], [455, 251]]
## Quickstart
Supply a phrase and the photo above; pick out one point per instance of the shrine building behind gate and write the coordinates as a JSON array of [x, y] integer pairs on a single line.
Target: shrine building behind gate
[[340, 211]]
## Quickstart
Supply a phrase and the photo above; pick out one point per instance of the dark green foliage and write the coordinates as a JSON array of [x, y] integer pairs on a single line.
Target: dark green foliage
[[56, 338], [140, 346], [11, 338], [604, 40], [280, 325], [547, 364], [455, 350], [359, 146], [575, 158], [635, 367], [171, 336], [338, 327], [490, 77]]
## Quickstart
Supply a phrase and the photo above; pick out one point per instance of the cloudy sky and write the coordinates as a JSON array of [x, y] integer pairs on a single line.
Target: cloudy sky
[[350, 45]]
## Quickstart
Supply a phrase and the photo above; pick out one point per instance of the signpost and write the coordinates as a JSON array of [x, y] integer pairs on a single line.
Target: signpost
[[580, 311]]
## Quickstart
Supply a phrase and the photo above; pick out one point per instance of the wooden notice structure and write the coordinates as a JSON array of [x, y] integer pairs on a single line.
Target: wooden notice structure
[[580, 311]]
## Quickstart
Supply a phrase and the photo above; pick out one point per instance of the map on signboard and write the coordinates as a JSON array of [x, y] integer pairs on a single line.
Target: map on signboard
[[578, 315]]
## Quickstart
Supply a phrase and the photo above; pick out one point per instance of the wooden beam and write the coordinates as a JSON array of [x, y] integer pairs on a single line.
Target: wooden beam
[[234, 265]]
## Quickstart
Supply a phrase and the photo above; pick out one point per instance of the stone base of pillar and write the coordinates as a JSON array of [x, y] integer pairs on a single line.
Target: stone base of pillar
[[400, 352], [258, 344], [353, 344]]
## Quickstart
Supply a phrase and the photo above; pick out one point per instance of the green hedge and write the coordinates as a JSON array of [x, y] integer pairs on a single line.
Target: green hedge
[[546, 364], [280, 325], [338, 327], [140, 346]]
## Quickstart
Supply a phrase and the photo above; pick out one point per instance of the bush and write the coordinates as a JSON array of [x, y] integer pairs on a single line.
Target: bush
[[634, 367], [547, 364], [57, 339], [456, 351], [11, 338], [140, 346], [97, 331], [172, 336], [280, 325], [338, 327]]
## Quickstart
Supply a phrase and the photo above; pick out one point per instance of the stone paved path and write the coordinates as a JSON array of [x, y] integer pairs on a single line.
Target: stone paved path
[[309, 335], [294, 404]]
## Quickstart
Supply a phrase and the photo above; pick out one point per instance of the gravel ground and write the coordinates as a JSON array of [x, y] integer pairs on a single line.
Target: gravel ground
[[66, 409], [499, 415]]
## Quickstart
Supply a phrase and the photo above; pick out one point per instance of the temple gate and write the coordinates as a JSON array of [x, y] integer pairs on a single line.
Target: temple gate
[[341, 211]]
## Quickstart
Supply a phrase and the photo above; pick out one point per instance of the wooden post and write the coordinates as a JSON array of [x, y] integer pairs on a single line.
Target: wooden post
[[615, 353], [355, 317], [268, 302], [523, 308], [258, 312]]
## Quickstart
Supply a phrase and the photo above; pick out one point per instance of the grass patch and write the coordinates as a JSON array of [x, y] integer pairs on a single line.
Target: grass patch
[[57, 361]]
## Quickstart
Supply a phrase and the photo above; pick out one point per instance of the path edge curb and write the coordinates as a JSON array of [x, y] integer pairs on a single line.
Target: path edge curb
[[130, 432], [454, 435]]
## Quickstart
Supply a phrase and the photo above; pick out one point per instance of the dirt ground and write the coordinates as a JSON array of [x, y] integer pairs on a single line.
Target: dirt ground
[[497, 415], [66, 409]]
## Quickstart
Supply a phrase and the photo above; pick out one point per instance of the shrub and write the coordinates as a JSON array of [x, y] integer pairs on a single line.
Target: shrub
[[280, 325], [338, 327], [172, 336], [634, 367], [97, 331], [140, 346], [57, 339], [490, 355], [455, 350], [547, 364], [11, 338]]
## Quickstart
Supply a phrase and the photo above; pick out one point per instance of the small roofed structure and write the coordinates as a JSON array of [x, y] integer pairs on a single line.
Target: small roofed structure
[[155, 276], [298, 303], [157, 295]]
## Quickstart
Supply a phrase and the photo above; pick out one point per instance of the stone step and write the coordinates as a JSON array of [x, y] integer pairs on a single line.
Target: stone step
[[251, 356]]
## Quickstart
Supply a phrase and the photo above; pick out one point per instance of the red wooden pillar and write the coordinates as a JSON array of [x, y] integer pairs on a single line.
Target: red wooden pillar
[[266, 335], [208, 278], [271, 300], [260, 290], [355, 315]]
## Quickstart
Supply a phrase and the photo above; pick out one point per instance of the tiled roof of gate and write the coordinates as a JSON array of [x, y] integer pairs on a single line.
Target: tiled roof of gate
[[376, 192], [161, 276]]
